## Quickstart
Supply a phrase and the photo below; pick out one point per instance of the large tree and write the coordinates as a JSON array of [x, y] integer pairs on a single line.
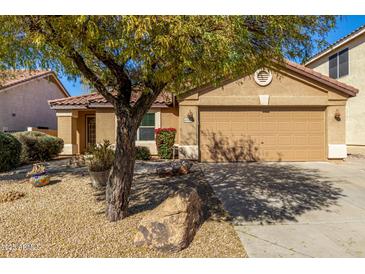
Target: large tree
[[172, 53]]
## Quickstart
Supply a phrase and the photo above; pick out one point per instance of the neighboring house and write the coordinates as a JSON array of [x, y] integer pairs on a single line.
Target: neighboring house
[[345, 60], [24, 99], [288, 113]]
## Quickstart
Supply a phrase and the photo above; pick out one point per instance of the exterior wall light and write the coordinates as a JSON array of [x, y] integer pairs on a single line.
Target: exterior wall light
[[337, 115], [189, 118]]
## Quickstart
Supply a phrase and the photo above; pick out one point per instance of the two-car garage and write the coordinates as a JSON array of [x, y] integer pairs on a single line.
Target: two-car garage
[[295, 115], [268, 134]]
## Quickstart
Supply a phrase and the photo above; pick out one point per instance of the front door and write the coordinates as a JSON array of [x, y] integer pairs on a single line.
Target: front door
[[90, 131]]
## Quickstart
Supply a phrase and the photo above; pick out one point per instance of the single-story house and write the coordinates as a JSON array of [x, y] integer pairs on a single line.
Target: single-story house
[[24, 96], [285, 113]]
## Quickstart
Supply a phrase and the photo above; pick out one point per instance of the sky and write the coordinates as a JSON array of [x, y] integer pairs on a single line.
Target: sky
[[345, 25]]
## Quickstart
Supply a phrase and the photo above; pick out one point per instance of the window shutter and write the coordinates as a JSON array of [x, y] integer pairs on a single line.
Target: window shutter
[[343, 63], [333, 66]]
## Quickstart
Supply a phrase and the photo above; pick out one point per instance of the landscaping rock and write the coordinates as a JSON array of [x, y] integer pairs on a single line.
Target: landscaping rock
[[175, 168], [172, 225]]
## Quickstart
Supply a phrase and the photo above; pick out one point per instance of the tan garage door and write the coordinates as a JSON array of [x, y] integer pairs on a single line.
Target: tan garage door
[[276, 134]]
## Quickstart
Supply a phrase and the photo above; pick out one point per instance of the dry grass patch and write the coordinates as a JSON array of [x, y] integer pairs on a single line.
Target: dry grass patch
[[66, 219]]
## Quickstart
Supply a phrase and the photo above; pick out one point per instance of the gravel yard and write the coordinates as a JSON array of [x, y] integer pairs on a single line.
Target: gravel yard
[[66, 219]]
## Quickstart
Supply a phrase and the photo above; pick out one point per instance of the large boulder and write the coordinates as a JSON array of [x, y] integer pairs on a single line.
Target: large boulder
[[172, 225]]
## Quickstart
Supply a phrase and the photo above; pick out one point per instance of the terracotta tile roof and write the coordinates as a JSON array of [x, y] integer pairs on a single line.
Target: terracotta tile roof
[[16, 77], [88, 100], [343, 39], [350, 90]]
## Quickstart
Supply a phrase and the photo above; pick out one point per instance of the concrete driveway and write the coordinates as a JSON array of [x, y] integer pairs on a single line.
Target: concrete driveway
[[295, 209]]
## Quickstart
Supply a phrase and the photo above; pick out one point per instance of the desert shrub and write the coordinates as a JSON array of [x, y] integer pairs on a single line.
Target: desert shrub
[[38, 146], [165, 138], [143, 153], [101, 157], [10, 149]]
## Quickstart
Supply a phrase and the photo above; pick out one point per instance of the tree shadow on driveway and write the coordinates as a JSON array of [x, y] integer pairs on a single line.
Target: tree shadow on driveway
[[150, 190], [268, 193]]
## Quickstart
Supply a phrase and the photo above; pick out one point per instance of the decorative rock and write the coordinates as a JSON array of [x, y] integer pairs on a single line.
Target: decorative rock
[[172, 225], [175, 168], [77, 161]]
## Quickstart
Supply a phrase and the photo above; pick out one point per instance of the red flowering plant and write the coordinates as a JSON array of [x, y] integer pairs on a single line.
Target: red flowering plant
[[165, 138]]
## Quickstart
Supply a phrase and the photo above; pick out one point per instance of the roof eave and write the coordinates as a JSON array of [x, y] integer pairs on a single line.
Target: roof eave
[[96, 105], [59, 83], [323, 81], [71, 107], [47, 74]]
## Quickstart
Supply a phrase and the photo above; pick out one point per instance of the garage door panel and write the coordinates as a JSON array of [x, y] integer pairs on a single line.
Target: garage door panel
[[299, 126], [316, 141], [239, 126], [300, 140], [284, 139], [284, 126], [254, 134], [315, 126], [237, 116], [269, 126], [209, 126], [253, 126], [269, 140]]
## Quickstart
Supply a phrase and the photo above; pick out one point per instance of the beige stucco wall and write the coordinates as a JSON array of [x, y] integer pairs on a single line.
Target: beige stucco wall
[[105, 125], [67, 130], [72, 127], [286, 89], [336, 133], [355, 111], [170, 119], [29, 103], [189, 130]]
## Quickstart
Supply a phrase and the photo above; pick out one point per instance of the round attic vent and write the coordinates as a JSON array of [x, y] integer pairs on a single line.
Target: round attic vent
[[263, 77]]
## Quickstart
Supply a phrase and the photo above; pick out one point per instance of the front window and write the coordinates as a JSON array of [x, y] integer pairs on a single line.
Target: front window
[[146, 131]]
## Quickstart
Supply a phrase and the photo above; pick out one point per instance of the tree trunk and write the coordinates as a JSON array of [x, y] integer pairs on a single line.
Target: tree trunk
[[120, 180]]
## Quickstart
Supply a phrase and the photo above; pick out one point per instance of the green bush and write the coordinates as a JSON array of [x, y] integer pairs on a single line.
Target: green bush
[[102, 157], [38, 146], [143, 153], [165, 138], [10, 149]]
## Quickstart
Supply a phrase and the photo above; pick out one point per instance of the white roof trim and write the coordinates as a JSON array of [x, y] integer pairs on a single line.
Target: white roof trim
[[335, 46]]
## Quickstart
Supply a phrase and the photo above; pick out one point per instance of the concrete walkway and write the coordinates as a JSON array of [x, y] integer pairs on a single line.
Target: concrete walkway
[[295, 209]]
